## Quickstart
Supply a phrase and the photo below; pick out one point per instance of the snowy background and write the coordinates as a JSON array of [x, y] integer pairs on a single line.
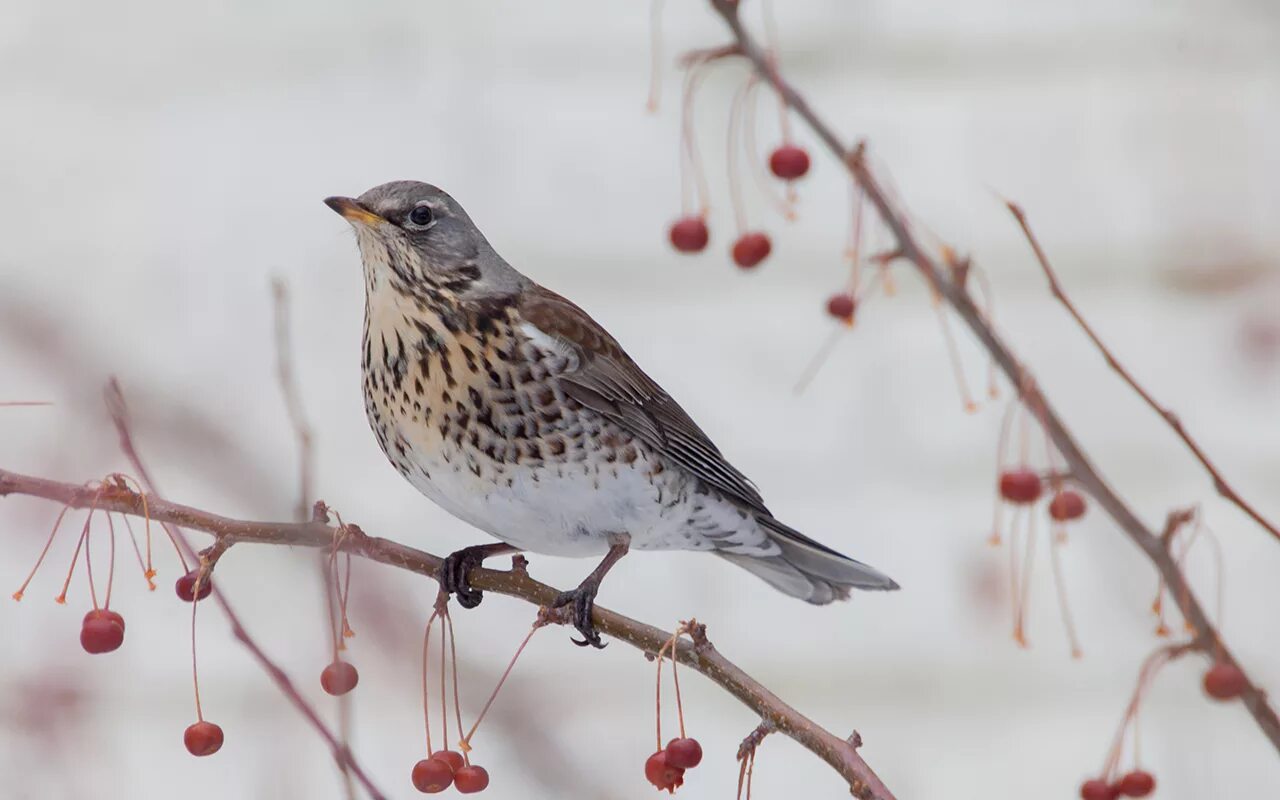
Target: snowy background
[[163, 161]]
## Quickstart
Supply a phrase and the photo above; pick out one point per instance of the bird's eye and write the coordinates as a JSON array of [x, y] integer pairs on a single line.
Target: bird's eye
[[421, 215]]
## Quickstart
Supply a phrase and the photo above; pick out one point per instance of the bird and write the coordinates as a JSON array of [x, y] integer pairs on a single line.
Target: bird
[[512, 409]]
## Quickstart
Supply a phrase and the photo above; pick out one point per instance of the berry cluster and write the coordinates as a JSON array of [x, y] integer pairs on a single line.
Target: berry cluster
[[666, 767]]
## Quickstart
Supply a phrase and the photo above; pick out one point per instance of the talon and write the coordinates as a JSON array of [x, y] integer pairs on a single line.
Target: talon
[[456, 569], [583, 599]]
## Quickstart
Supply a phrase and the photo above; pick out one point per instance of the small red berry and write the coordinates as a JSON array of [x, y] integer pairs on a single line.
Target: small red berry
[[841, 307], [472, 779], [751, 249], [339, 678], [1066, 505], [186, 587], [1020, 485], [684, 753], [202, 738], [1138, 783], [789, 162], [1097, 789], [101, 631], [451, 757], [689, 234], [1224, 681], [431, 775], [661, 774]]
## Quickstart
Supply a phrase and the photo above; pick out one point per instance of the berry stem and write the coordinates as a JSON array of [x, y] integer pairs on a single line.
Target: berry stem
[[22, 590], [1064, 608], [691, 192], [953, 352], [466, 740], [133, 539], [655, 56], [731, 150], [426, 695], [457, 702], [111, 562], [784, 204], [195, 673]]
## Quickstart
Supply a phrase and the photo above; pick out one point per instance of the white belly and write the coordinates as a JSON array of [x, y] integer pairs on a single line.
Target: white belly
[[571, 509]]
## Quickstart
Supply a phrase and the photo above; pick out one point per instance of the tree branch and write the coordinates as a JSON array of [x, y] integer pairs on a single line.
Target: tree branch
[[953, 290], [700, 655]]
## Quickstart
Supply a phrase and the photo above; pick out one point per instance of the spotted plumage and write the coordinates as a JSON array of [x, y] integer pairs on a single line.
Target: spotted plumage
[[512, 409]]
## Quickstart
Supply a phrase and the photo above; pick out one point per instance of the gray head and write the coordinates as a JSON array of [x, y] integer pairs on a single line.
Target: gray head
[[414, 236]]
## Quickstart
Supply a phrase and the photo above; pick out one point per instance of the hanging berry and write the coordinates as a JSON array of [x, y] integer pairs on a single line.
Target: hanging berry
[[1224, 681], [684, 752], [339, 678], [471, 779], [102, 631], [186, 586], [1020, 486], [689, 234], [789, 162], [663, 774], [1138, 783], [841, 306], [1097, 789], [751, 249], [202, 738], [1067, 505], [432, 775]]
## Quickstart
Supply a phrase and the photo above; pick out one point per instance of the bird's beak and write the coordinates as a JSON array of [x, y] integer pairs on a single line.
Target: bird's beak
[[352, 211]]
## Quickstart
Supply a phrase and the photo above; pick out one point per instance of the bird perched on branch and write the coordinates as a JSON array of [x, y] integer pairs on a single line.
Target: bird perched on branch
[[516, 412]]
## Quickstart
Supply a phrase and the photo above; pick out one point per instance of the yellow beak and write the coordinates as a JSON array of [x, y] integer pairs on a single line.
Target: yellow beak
[[353, 211]]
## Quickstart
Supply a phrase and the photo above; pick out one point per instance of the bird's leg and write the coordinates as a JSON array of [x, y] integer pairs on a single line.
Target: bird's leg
[[583, 599], [456, 568]]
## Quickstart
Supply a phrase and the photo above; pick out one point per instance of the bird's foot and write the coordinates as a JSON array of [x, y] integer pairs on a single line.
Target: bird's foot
[[456, 570], [579, 604]]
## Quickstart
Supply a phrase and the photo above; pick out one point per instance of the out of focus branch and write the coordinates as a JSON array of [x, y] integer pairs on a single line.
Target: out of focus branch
[[951, 286], [700, 655], [1055, 287]]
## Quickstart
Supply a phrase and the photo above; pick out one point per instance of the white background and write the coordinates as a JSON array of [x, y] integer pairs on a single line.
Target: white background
[[162, 161]]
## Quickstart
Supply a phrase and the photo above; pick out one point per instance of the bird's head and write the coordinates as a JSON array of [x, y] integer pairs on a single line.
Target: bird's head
[[415, 236]]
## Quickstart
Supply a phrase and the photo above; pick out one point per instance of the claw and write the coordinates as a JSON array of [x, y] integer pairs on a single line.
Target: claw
[[583, 600], [456, 569]]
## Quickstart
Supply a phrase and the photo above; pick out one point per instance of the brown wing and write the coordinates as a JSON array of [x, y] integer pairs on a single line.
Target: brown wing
[[608, 382]]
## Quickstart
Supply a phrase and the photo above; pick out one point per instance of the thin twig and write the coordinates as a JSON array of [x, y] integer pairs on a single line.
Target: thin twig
[[1171, 419]]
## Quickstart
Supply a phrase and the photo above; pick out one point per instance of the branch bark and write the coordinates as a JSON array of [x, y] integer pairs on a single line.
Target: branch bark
[[702, 656], [953, 290]]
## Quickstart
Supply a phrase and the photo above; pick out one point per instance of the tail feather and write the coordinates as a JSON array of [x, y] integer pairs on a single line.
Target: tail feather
[[808, 569]]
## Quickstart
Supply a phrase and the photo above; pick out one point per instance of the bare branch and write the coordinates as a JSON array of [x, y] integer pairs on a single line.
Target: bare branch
[[700, 655], [957, 296]]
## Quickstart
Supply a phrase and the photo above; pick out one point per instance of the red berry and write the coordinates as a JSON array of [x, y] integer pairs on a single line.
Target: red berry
[[186, 586], [451, 757], [751, 249], [1097, 789], [1224, 681], [841, 307], [1066, 505], [472, 779], [202, 738], [339, 678], [789, 162], [1138, 783], [684, 753], [102, 631], [431, 775], [661, 774], [689, 234], [1020, 485]]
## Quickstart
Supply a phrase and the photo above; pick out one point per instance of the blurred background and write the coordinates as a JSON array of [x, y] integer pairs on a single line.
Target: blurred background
[[163, 161]]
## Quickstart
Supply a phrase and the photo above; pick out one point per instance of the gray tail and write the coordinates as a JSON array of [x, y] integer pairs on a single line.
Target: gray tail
[[807, 569]]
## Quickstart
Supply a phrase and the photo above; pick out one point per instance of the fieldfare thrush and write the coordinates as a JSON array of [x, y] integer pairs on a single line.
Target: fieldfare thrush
[[515, 411]]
